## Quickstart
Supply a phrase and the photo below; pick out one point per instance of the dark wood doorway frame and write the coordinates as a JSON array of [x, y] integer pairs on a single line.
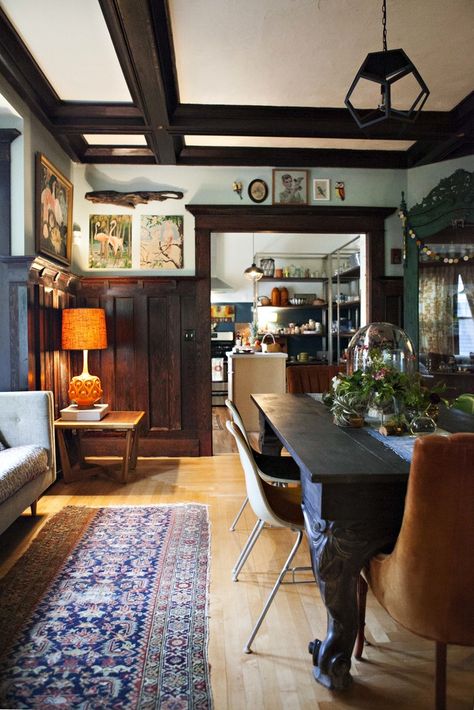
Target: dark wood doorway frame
[[302, 220]]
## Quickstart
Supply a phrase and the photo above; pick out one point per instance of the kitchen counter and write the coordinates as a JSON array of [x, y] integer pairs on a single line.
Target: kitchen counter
[[254, 373], [258, 355]]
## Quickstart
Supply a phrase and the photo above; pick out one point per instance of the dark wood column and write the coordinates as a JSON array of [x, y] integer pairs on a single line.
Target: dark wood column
[[7, 136]]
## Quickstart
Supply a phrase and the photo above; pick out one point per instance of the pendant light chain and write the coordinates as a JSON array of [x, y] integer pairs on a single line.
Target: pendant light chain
[[384, 24]]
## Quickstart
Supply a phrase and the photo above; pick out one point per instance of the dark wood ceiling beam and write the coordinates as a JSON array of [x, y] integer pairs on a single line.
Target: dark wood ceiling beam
[[130, 24], [83, 117], [284, 157], [423, 153], [198, 119]]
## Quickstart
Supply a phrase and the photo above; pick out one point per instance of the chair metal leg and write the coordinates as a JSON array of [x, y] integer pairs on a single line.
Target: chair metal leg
[[440, 688], [286, 568], [247, 549], [237, 517]]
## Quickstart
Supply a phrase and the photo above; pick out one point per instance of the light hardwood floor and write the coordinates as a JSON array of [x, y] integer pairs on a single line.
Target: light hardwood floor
[[398, 672]]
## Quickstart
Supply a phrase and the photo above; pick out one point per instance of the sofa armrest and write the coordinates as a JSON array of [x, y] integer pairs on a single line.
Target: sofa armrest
[[27, 418]]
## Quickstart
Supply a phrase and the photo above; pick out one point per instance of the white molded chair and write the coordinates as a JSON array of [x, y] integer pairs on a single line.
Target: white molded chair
[[277, 506], [287, 470]]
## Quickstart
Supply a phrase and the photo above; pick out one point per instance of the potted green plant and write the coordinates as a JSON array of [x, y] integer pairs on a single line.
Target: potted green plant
[[348, 409]]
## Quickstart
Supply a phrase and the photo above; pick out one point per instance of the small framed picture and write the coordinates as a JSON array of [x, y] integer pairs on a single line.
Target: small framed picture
[[290, 187], [258, 190], [321, 189], [395, 256], [53, 204]]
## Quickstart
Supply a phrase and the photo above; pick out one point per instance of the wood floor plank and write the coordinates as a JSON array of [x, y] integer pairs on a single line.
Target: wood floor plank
[[398, 671]]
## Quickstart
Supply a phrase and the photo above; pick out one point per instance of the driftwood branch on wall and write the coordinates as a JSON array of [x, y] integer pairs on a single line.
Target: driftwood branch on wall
[[131, 199]]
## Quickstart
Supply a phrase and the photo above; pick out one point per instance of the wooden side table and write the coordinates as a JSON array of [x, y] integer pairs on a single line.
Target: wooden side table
[[127, 422]]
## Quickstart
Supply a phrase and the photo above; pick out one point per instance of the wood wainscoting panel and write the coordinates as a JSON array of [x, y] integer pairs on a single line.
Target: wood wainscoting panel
[[153, 362]]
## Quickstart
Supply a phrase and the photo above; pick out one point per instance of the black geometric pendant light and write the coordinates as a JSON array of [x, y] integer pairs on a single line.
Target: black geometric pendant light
[[385, 69]]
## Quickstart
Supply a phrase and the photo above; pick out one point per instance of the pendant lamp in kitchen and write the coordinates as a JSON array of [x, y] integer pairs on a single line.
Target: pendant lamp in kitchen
[[253, 273]]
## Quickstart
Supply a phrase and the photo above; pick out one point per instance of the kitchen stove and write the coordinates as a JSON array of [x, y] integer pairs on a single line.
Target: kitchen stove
[[221, 343]]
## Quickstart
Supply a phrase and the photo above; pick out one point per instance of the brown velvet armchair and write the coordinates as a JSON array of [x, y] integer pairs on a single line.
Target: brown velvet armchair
[[311, 378], [427, 583]]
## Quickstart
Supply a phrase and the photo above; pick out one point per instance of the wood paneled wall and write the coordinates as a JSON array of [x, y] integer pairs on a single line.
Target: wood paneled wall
[[33, 291], [156, 360]]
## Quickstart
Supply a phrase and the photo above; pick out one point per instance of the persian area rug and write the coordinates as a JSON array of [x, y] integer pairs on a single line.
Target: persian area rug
[[108, 609]]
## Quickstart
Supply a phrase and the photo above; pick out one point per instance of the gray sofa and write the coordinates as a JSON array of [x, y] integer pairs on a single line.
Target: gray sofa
[[27, 451]]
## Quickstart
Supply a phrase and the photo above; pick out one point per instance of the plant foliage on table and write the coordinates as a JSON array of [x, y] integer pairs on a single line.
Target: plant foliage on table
[[381, 385]]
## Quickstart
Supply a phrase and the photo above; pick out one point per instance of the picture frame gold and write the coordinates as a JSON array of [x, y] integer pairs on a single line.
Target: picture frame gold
[[53, 209]]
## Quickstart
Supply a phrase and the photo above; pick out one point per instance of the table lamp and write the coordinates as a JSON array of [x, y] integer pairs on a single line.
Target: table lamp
[[84, 329]]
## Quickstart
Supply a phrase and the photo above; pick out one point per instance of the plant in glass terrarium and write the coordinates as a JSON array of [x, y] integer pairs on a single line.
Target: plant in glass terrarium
[[348, 409], [348, 399], [421, 404], [381, 344]]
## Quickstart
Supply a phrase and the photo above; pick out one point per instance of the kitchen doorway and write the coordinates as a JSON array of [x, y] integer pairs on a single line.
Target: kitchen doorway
[[245, 219]]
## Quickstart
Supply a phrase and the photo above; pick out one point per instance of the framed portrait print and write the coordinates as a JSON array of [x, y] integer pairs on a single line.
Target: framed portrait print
[[258, 190], [321, 189], [53, 198], [290, 187]]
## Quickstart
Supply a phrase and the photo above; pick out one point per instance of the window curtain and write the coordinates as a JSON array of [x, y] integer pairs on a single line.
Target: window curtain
[[438, 286], [467, 275]]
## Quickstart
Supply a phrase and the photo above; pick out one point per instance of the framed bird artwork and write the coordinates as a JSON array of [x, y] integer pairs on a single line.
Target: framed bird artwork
[[321, 189]]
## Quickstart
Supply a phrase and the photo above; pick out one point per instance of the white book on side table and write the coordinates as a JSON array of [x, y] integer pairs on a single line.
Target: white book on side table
[[94, 414]]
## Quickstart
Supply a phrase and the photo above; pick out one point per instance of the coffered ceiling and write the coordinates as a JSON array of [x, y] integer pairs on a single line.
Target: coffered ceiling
[[235, 82]]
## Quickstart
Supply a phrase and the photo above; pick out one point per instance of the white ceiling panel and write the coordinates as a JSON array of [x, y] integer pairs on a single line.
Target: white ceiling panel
[[307, 52], [70, 43], [114, 139]]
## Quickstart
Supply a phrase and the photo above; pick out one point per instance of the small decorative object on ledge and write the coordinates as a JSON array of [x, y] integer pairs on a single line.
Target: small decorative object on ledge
[[131, 199], [340, 190], [237, 187]]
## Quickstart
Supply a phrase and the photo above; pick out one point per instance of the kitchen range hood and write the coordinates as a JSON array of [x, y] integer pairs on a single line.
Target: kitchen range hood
[[219, 286]]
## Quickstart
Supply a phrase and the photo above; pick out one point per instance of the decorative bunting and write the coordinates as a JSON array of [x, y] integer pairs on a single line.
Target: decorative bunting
[[429, 252]]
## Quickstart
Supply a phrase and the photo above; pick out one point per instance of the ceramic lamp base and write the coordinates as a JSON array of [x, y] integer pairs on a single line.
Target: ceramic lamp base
[[85, 390]]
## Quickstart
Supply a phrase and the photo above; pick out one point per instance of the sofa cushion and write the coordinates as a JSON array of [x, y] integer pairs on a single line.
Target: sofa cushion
[[19, 465]]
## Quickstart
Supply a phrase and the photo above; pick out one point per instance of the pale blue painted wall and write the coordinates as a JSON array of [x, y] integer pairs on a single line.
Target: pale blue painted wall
[[211, 185]]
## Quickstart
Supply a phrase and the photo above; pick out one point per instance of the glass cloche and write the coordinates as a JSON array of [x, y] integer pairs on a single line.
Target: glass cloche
[[382, 341]]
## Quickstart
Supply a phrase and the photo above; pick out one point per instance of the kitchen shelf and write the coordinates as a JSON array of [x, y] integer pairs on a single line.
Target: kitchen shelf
[[302, 305], [288, 279], [333, 312], [346, 304], [353, 273]]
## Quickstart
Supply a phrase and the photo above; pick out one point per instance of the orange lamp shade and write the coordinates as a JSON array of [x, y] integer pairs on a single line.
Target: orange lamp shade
[[84, 329]]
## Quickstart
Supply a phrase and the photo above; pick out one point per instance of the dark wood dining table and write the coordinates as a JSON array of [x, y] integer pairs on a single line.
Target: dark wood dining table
[[353, 493]]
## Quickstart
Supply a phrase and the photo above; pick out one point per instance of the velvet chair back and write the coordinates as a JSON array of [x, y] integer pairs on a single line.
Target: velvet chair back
[[427, 582]]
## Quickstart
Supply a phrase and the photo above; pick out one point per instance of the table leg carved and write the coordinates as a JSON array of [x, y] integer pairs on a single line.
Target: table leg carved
[[339, 550]]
